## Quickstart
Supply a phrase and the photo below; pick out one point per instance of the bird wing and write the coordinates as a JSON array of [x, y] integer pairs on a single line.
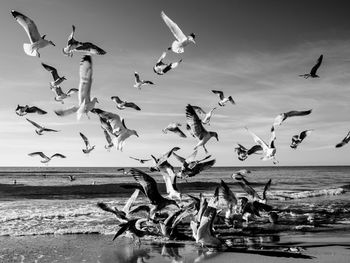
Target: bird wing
[[52, 70], [34, 123], [89, 48], [148, 184], [178, 131], [66, 112], [220, 93], [116, 99], [28, 25], [317, 65], [85, 79], [161, 57], [58, 155], [71, 36], [194, 122], [41, 154], [228, 195], [247, 188], [49, 130], [298, 113], [199, 167], [132, 105], [258, 140], [72, 91], [86, 141], [137, 77], [199, 109], [254, 149], [107, 136], [130, 201], [134, 158], [192, 156], [179, 158], [124, 227], [266, 188], [305, 133], [174, 28], [35, 109], [272, 138]]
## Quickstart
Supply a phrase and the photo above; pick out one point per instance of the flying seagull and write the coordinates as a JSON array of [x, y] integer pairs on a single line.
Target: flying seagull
[[88, 148], [23, 110], [85, 104], [161, 68], [283, 116], [123, 134], [243, 152], [344, 141], [57, 80], [181, 39], [60, 95], [122, 105], [297, 139], [139, 82], [223, 99], [150, 189], [46, 158], [77, 46], [269, 150], [36, 40], [207, 116], [197, 128], [314, 69], [174, 127], [140, 160], [40, 129]]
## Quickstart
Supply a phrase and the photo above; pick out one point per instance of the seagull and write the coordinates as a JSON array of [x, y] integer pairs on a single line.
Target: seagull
[[181, 40], [243, 152], [71, 178], [123, 134], [314, 69], [57, 80], [60, 95], [230, 200], [46, 158], [239, 174], [36, 40], [134, 226], [223, 99], [197, 128], [139, 82], [269, 150], [88, 148], [297, 139], [161, 68], [23, 110], [344, 141], [174, 127], [122, 105], [86, 47], [40, 129], [110, 121], [150, 189], [207, 116], [283, 116], [140, 160], [85, 104]]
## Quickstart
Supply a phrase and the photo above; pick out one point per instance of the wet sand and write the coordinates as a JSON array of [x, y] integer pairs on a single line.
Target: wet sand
[[101, 248]]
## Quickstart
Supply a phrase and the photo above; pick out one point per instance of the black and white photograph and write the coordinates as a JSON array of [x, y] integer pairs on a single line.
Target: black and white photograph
[[180, 131]]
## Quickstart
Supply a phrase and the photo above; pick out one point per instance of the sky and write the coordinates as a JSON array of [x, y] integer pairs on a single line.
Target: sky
[[251, 50]]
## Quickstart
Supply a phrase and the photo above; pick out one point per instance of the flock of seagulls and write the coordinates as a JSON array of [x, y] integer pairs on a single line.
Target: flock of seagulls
[[164, 215]]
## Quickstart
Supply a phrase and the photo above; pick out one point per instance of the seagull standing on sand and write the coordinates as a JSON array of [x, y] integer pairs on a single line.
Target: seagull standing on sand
[[57, 80], [223, 99], [344, 141], [174, 127], [88, 148], [297, 139], [36, 40], [207, 116], [139, 82], [46, 158], [283, 116], [85, 104], [314, 69], [197, 128], [181, 39], [122, 105], [23, 110], [161, 68], [269, 150], [40, 129], [86, 47]]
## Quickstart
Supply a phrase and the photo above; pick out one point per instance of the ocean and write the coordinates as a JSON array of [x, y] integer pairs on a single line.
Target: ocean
[[42, 201]]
